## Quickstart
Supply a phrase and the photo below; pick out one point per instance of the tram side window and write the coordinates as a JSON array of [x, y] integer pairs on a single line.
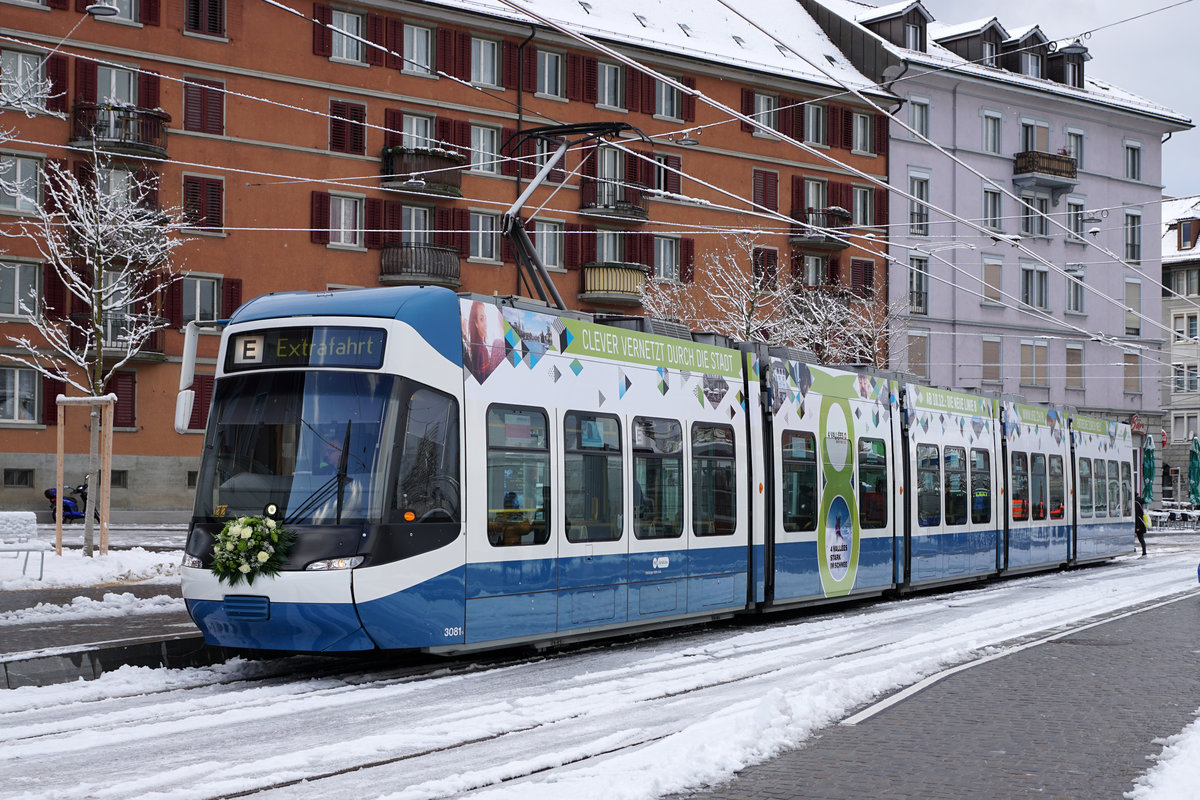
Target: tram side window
[[981, 487], [955, 462], [1085, 487], [427, 482], [799, 481], [518, 476], [1058, 491], [1100, 484], [714, 481], [592, 477], [1114, 489], [929, 485], [1037, 485], [872, 483], [1020, 487], [657, 478], [1126, 489]]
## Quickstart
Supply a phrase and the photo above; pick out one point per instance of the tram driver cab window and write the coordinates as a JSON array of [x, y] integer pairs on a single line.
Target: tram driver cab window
[[426, 486]]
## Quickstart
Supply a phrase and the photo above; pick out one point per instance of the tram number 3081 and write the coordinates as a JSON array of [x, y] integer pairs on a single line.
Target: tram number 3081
[[452, 633]]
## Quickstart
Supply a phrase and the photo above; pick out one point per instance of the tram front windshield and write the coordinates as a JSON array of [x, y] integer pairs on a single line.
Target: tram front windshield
[[309, 442]]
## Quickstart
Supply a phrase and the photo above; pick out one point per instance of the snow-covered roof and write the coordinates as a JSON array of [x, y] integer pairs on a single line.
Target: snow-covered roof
[[943, 33], [1024, 32], [893, 10], [1173, 211], [701, 29], [939, 58]]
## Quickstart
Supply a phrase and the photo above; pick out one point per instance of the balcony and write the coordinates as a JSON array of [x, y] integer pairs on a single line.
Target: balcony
[[816, 237], [116, 330], [1051, 171], [612, 200], [418, 263], [121, 130], [423, 170], [612, 283]]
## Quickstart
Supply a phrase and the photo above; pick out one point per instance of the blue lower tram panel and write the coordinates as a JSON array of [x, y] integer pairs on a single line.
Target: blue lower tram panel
[[257, 623]]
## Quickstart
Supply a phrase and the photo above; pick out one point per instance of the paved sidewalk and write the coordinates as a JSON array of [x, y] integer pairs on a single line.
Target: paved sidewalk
[[1071, 719]]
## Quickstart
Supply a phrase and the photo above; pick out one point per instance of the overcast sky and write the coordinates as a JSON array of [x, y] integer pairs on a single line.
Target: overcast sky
[[1156, 56]]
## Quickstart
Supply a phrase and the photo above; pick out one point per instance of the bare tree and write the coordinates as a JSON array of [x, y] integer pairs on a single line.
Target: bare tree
[[840, 327], [108, 246]]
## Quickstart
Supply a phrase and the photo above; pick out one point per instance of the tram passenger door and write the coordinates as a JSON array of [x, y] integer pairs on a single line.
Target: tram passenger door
[[593, 557]]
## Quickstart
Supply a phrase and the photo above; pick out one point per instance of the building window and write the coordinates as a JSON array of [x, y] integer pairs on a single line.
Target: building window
[[610, 85], [18, 479], [667, 101], [990, 51], [118, 186], [1034, 279], [418, 49], [205, 16], [415, 223], [666, 258], [992, 209], [918, 285], [20, 74], [1033, 214], [1184, 427], [608, 247], [990, 358], [993, 273], [204, 106], [549, 73], [203, 203], [485, 236], [347, 32], [1074, 367], [766, 110], [1075, 147], [1133, 308], [345, 220], [18, 289], [1035, 137], [201, 299], [1133, 237], [548, 239], [816, 195], [1075, 212], [18, 395], [1075, 291], [864, 206], [1032, 64], [766, 189], [816, 124], [918, 211], [918, 354], [19, 186], [1133, 380], [485, 62], [1033, 364], [485, 149], [1133, 162], [919, 116], [912, 36], [1187, 233], [816, 271], [991, 133], [347, 127], [864, 141]]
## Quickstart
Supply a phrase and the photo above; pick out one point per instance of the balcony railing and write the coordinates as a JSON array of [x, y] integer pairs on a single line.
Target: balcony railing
[[121, 129], [423, 170], [613, 199], [918, 222], [116, 331], [414, 263], [815, 233], [612, 282], [1052, 171]]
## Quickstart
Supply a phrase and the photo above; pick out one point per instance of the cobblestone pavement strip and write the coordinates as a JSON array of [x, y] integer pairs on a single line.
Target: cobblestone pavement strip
[[1074, 719]]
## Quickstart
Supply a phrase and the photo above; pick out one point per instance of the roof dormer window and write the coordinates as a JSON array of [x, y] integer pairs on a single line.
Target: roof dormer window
[[912, 36], [990, 52], [1032, 64], [1188, 230]]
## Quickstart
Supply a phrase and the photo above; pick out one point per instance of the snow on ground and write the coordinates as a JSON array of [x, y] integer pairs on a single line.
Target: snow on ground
[[111, 605], [1176, 776], [72, 569]]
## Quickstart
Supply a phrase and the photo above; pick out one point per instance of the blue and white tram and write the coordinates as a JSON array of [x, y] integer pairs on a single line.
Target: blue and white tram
[[470, 472]]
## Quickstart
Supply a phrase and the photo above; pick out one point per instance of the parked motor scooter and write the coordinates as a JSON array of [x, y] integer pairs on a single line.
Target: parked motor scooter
[[73, 508]]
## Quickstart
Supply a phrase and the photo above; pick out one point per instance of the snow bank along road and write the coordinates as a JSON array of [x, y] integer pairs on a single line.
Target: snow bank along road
[[626, 721]]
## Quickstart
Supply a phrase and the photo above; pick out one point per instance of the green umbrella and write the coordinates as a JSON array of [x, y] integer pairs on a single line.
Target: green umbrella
[[1148, 471], [1194, 472]]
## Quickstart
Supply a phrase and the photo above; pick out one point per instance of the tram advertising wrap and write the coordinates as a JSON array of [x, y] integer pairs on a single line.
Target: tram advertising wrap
[[471, 472]]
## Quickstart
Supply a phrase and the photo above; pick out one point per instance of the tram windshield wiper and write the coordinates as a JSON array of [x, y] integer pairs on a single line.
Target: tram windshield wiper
[[332, 489]]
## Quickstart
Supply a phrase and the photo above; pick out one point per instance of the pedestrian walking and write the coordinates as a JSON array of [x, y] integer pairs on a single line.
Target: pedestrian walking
[[1139, 522]]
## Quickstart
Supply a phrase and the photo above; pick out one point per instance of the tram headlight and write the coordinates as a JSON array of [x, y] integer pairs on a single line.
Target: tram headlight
[[346, 562], [191, 561]]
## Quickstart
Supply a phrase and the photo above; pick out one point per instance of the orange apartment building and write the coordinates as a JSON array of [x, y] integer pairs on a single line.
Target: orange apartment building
[[305, 158]]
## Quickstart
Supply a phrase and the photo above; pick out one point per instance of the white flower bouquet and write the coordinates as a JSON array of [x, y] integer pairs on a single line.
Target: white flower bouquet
[[248, 547]]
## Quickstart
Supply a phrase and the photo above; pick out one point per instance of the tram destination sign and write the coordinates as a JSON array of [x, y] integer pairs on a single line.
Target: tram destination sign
[[313, 346]]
